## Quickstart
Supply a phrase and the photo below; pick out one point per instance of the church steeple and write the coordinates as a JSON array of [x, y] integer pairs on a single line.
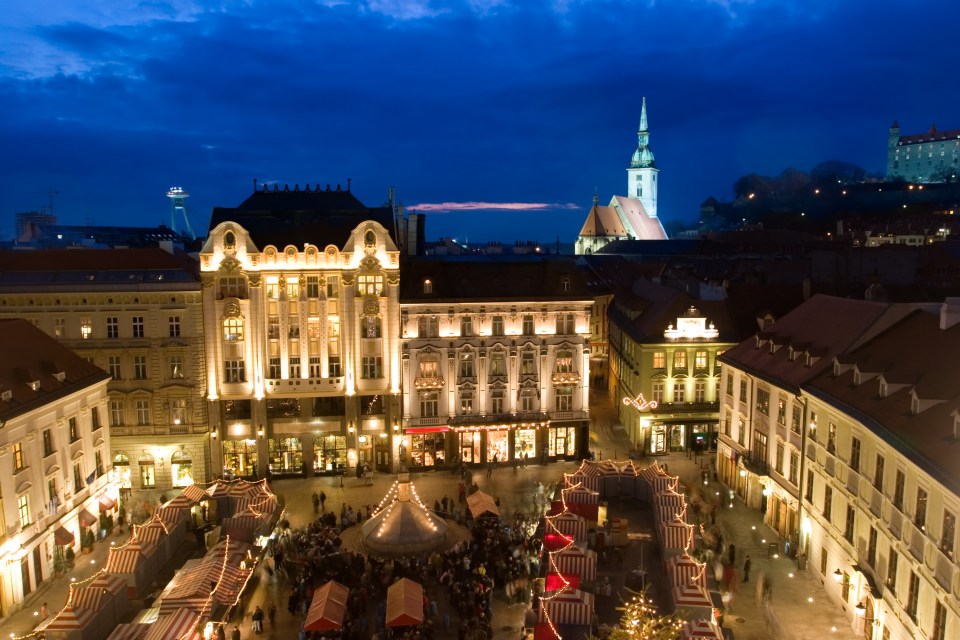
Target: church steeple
[[642, 172]]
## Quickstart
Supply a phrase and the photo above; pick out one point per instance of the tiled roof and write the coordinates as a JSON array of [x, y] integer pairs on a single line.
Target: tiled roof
[[603, 222], [94, 267], [917, 353], [31, 368], [825, 326], [294, 216], [488, 278], [644, 226], [931, 136]]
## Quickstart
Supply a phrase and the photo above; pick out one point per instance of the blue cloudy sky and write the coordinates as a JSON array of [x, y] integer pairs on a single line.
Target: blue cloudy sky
[[527, 106]]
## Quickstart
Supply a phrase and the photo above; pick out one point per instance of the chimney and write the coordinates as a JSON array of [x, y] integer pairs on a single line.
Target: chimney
[[949, 313]]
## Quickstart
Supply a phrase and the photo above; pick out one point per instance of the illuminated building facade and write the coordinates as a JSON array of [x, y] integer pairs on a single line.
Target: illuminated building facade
[[841, 423], [54, 448], [664, 371], [302, 315], [495, 360], [933, 156], [136, 314]]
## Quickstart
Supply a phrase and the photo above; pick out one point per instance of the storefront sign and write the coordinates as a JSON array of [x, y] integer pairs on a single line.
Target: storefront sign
[[640, 403]]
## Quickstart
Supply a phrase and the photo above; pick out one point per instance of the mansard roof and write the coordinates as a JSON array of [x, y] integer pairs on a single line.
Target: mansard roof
[[281, 216], [922, 357], [36, 369], [94, 269]]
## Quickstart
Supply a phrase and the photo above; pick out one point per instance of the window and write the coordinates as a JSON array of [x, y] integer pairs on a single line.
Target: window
[[273, 368], [372, 367], [294, 367], [700, 360], [794, 467], [181, 467], [679, 391], [467, 365], [808, 496], [496, 401], [726, 426], [939, 621], [466, 326], [659, 359], [743, 391], [679, 359], [98, 462], [948, 533], [913, 593], [293, 328], [333, 366], [137, 326], [763, 401], [23, 507], [143, 412], [898, 490], [314, 366], [566, 324], [428, 326], [173, 326], [72, 427], [823, 560], [528, 326], [370, 285], [730, 385], [781, 410], [855, 455], [59, 328], [528, 364], [18, 464], [94, 418], [148, 472], [52, 493], [565, 398], [175, 366], [700, 391], [742, 432], [273, 327], [849, 524], [892, 562], [872, 547], [86, 328], [657, 391], [333, 286], [564, 284], [427, 286], [498, 364], [466, 402], [233, 329], [827, 502], [497, 326], [47, 443], [795, 422], [113, 367], [920, 516], [528, 400], [372, 327], [113, 327], [178, 411], [293, 288], [845, 587], [831, 438], [429, 401], [233, 371], [313, 286], [116, 413], [878, 474], [77, 479], [778, 460], [140, 367]]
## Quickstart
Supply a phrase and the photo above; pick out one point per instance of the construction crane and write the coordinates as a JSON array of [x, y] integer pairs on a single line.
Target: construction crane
[[177, 195]]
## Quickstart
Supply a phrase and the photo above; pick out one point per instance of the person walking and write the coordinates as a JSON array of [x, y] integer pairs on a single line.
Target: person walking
[[272, 614], [316, 502], [746, 569], [323, 501], [221, 634], [44, 612], [235, 634], [257, 618]]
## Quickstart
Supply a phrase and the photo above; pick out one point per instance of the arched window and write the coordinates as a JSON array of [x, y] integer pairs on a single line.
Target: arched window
[[233, 329], [121, 467], [229, 240], [369, 238], [181, 467], [148, 471], [428, 286]]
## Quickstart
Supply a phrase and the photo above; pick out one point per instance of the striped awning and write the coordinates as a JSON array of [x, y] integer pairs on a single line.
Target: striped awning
[[129, 631], [691, 595], [567, 606], [179, 625], [582, 479], [70, 618], [664, 483], [150, 533], [676, 536], [580, 495], [218, 489], [86, 518], [63, 537], [195, 493], [569, 524], [110, 584], [86, 597], [685, 570], [106, 503], [578, 561], [180, 502], [127, 558], [170, 516], [700, 630]]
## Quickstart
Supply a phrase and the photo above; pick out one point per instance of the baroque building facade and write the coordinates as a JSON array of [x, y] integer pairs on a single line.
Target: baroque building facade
[[302, 314], [840, 424], [136, 314], [54, 448], [495, 360]]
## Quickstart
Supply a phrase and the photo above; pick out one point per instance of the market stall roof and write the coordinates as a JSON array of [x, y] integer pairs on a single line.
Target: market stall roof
[[404, 603], [327, 608], [403, 525], [481, 504]]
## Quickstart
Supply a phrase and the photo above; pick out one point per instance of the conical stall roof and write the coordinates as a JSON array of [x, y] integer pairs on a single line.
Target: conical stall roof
[[403, 525]]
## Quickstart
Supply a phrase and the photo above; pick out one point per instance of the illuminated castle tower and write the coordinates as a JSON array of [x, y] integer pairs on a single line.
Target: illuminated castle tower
[[177, 195]]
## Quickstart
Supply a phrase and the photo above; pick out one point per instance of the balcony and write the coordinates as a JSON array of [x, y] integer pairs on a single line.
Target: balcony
[[896, 522], [568, 415], [686, 407], [529, 418], [756, 463], [428, 382], [431, 421], [915, 540], [943, 566], [565, 377], [853, 482], [830, 466]]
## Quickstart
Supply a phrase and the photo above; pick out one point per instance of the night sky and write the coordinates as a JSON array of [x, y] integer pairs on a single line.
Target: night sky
[[498, 117]]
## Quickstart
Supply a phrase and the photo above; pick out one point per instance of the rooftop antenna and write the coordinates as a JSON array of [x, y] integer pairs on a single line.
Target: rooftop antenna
[[50, 195], [177, 195]]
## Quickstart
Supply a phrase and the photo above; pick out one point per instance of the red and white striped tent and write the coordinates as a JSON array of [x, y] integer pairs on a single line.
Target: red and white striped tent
[[95, 601], [195, 494], [179, 625], [675, 537], [261, 504], [73, 624], [569, 524], [175, 521], [245, 526], [581, 501], [609, 474], [694, 600], [700, 630], [628, 478], [136, 562], [217, 578], [683, 570], [129, 631], [219, 489], [244, 494], [567, 606], [154, 532], [668, 505], [646, 479], [113, 588], [576, 560]]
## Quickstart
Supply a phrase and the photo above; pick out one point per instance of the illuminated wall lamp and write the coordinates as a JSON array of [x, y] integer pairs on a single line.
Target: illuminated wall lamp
[[838, 576], [861, 609], [260, 432]]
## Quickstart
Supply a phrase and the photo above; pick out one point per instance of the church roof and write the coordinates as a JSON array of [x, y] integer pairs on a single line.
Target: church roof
[[603, 221], [643, 225]]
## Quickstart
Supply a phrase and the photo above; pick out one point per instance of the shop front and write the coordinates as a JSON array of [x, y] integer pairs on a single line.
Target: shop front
[[425, 447], [562, 441], [239, 459], [329, 454], [285, 456]]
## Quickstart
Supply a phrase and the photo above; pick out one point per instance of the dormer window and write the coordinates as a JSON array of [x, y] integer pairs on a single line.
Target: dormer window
[[229, 240], [369, 239], [564, 284], [856, 377], [883, 389], [60, 376], [34, 385], [428, 286], [914, 405]]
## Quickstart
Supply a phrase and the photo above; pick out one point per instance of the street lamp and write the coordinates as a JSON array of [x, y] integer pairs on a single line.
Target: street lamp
[[838, 576]]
